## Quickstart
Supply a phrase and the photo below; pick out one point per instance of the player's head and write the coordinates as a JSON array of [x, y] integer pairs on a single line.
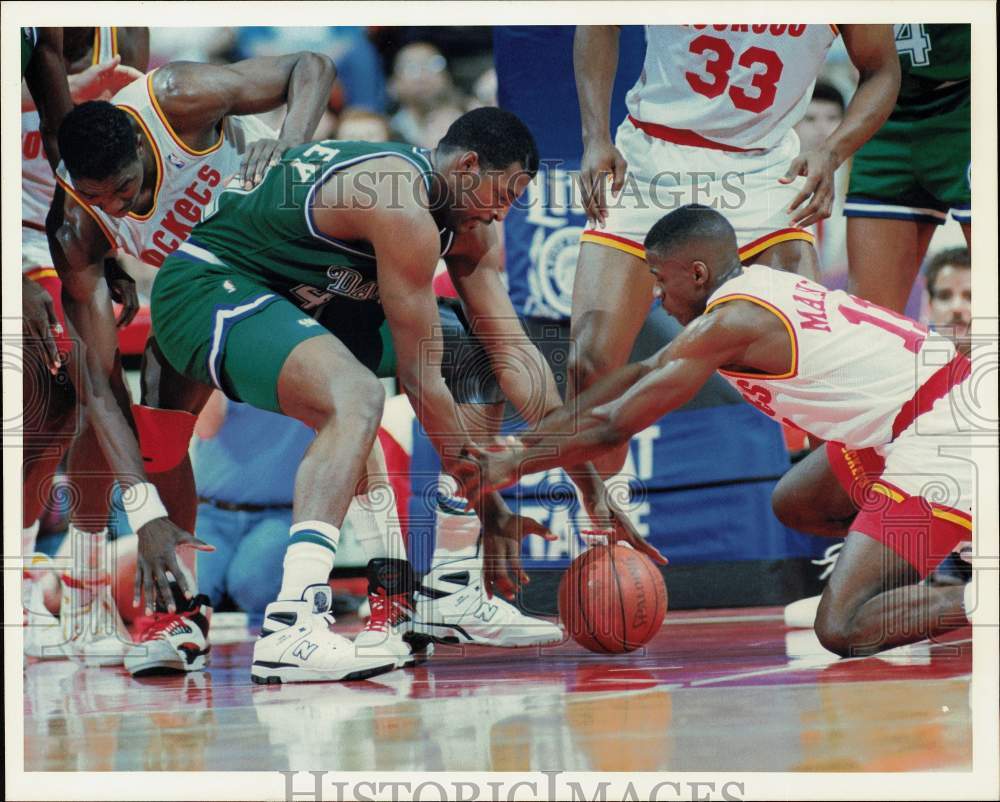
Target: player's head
[[687, 252], [949, 288], [485, 161], [823, 114], [102, 152]]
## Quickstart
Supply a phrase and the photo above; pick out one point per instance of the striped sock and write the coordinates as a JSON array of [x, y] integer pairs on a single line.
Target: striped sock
[[312, 546], [456, 530]]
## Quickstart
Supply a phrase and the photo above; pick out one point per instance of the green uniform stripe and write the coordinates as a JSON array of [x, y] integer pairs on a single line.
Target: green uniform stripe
[[312, 537]]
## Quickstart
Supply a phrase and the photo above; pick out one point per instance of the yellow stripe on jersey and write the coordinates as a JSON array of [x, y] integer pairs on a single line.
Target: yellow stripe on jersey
[[40, 273], [86, 206], [159, 162], [761, 245], [173, 134], [114, 41], [952, 517], [794, 369], [95, 56], [611, 241], [888, 492]]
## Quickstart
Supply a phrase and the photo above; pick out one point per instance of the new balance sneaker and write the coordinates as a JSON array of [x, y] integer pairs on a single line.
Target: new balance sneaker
[[92, 629], [172, 642], [390, 599], [296, 644], [453, 607]]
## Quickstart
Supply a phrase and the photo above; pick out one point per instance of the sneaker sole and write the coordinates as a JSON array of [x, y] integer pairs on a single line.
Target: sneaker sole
[[266, 675], [451, 635], [152, 668]]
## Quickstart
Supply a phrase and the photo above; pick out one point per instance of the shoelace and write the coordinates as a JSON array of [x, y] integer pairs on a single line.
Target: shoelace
[[829, 560], [379, 618], [162, 623]]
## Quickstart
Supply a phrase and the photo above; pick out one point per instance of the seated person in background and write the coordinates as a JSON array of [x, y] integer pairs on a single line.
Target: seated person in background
[[244, 467], [358, 124], [949, 295]]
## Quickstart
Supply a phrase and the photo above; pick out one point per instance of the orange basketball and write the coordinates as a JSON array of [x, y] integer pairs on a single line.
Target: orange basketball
[[612, 599]]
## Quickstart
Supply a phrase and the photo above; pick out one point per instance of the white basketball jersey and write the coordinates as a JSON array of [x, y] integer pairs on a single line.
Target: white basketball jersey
[[186, 182], [38, 184], [740, 85], [854, 364]]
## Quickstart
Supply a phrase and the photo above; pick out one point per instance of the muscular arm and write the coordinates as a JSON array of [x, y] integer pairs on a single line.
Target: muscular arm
[[46, 80], [78, 250], [661, 384], [195, 97], [133, 47], [522, 372], [873, 52]]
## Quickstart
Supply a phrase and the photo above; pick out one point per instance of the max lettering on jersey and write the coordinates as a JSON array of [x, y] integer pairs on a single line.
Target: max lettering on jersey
[[810, 300], [183, 216]]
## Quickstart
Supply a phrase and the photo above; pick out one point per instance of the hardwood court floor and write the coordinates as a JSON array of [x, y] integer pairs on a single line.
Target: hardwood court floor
[[719, 690]]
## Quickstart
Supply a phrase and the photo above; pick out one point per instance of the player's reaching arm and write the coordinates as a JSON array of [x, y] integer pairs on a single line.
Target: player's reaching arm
[[595, 62], [46, 80], [195, 97], [873, 52], [78, 251], [667, 380]]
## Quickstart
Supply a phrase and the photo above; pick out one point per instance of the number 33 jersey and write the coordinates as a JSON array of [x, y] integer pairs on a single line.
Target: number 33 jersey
[[859, 374], [740, 85]]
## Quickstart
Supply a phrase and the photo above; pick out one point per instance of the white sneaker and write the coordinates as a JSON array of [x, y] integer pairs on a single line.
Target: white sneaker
[[297, 645], [43, 635], [453, 608], [92, 630], [172, 642]]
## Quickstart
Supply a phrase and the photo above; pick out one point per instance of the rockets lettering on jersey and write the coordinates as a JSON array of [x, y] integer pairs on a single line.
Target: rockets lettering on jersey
[[186, 179], [744, 86], [854, 366]]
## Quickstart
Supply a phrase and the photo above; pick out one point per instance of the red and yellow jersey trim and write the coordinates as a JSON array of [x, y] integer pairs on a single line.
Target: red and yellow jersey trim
[[794, 369], [173, 134], [945, 513], [613, 241], [96, 55], [835, 29], [41, 273], [761, 244], [86, 206], [156, 155]]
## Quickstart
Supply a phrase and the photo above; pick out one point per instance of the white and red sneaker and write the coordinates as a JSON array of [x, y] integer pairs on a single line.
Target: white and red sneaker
[[171, 642], [390, 597]]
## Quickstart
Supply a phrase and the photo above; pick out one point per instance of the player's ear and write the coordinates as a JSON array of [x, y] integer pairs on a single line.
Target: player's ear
[[699, 271], [469, 161]]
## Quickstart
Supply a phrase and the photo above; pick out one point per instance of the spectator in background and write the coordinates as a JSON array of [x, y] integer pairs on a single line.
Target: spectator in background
[[824, 113], [484, 89], [948, 276], [420, 85], [366, 126], [244, 467]]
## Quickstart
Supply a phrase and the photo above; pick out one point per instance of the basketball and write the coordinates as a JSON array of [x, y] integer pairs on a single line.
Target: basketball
[[612, 599]]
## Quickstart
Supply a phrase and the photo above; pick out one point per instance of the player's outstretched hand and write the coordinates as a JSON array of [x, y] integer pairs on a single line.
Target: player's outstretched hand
[[102, 81], [503, 532], [260, 156], [158, 542], [607, 514], [818, 166], [482, 470], [600, 161], [39, 321]]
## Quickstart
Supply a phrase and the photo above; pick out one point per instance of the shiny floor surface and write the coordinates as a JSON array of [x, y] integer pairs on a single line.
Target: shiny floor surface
[[719, 690]]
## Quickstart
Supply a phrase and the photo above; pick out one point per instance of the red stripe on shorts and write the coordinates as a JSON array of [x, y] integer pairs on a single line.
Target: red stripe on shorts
[[935, 388], [682, 136]]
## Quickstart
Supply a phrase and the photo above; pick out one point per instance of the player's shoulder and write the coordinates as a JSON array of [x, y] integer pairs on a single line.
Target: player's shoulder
[[76, 229]]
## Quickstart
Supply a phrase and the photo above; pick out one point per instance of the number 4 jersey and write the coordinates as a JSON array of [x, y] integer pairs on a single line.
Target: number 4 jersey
[[859, 374], [740, 85]]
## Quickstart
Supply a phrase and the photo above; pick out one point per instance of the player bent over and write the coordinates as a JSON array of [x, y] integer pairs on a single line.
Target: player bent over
[[296, 295], [841, 368]]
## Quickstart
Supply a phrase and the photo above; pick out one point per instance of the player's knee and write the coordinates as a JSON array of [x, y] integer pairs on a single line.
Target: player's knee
[[834, 631], [786, 506], [358, 398]]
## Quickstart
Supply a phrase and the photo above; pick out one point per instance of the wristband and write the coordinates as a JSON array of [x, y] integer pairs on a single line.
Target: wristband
[[142, 504]]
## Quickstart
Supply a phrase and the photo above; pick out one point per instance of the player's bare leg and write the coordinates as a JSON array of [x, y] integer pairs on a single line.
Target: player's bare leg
[[324, 386], [810, 498], [795, 256], [884, 257], [612, 294], [874, 602]]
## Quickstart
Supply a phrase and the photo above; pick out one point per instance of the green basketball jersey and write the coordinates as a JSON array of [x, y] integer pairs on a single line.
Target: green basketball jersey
[[931, 55], [268, 234]]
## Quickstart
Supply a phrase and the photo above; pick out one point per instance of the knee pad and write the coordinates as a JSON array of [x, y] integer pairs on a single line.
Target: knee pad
[[164, 436]]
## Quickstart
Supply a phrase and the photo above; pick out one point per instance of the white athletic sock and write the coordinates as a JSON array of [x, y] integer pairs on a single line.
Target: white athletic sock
[[29, 534], [376, 526], [969, 601], [312, 547], [456, 531], [90, 563]]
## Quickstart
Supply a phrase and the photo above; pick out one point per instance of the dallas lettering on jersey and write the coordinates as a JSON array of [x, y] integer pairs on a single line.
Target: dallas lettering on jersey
[[183, 216], [772, 30], [814, 297]]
